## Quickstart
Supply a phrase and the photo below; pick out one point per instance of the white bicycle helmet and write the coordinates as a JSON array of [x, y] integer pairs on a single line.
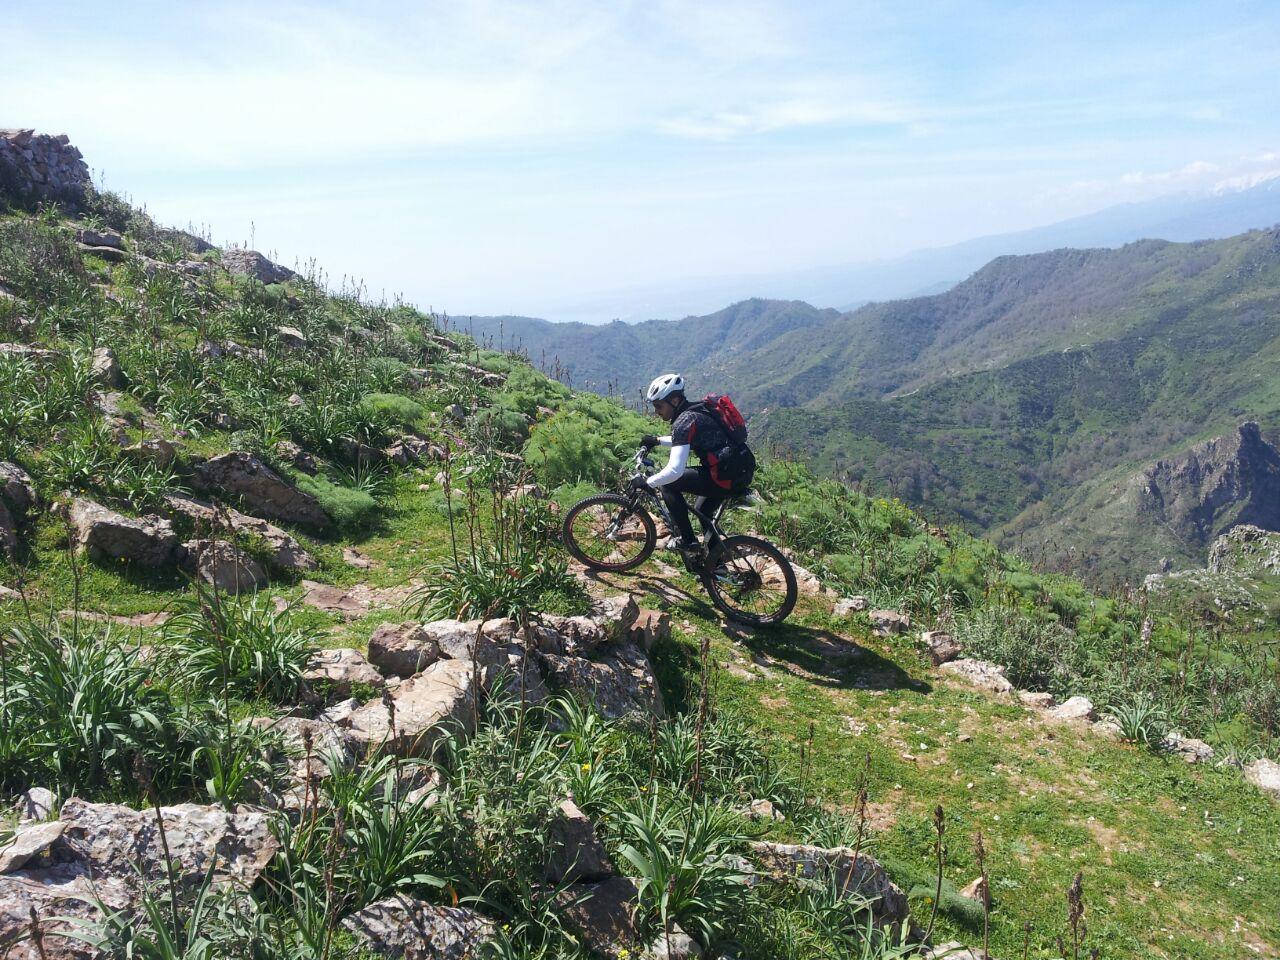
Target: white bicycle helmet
[[663, 386]]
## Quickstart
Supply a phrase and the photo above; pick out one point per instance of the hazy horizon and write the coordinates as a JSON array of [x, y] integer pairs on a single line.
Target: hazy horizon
[[504, 158]]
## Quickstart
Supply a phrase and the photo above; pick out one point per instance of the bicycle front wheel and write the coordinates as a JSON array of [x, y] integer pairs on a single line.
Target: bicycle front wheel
[[751, 581], [609, 532]]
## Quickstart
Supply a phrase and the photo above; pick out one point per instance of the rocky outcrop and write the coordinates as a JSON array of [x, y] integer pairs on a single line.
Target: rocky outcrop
[[886, 623], [36, 167], [251, 263], [1216, 485], [222, 565], [410, 929], [620, 681], [422, 711], [287, 554], [941, 646], [1248, 550], [261, 488], [103, 534]]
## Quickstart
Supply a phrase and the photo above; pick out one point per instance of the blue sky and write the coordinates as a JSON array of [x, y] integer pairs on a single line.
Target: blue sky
[[514, 157]]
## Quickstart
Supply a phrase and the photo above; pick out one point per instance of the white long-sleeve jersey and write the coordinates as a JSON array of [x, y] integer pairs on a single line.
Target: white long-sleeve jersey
[[677, 463]]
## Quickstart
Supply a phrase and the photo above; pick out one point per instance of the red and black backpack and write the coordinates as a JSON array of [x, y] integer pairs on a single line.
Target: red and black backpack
[[734, 465]]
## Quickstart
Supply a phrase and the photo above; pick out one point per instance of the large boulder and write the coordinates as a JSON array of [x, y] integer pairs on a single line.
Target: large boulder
[[223, 566], [261, 488], [422, 711], [286, 553], [105, 853], [410, 929], [103, 533], [251, 263], [651, 628], [981, 673], [619, 682], [8, 533], [854, 874]]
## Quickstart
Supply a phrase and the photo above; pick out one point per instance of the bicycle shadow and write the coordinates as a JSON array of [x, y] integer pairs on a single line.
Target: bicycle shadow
[[819, 656], [822, 657]]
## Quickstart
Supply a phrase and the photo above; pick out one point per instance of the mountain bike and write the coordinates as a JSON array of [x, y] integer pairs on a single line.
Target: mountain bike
[[749, 579]]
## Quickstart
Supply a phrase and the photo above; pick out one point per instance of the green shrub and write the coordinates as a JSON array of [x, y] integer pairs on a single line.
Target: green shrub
[[567, 448], [1038, 655], [352, 511], [393, 408]]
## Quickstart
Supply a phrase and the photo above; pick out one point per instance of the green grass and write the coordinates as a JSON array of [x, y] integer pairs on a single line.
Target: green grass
[[1161, 877]]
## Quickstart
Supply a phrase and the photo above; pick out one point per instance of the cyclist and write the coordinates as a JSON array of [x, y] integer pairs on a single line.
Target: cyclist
[[725, 466]]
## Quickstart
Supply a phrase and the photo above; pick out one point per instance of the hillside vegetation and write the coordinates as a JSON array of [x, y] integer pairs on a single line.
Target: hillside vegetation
[[294, 666], [1031, 382]]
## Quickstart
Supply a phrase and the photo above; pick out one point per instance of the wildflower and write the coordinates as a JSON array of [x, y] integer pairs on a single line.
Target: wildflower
[[586, 768]]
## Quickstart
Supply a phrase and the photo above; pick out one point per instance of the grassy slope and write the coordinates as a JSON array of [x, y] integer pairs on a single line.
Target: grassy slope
[[1178, 861]]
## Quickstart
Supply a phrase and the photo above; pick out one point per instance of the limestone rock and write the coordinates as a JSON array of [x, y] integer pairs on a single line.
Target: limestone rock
[[1037, 699], [981, 673], [885, 623], [848, 606], [1188, 748], [264, 490], [100, 238], [1265, 775], [292, 338], [859, 875], [37, 355], [17, 489], [762, 810], [287, 554], [37, 803], [978, 890], [942, 646], [154, 450], [223, 566], [403, 649], [253, 264], [339, 670], [600, 914], [577, 855], [619, 682], [102, 533], [953, 950], [1108, 730], [426, 707], [354, 558], [651, 627], [1074, 710], [410, 929], [292, 454], [105, 368], [807, 582], [29, 842]]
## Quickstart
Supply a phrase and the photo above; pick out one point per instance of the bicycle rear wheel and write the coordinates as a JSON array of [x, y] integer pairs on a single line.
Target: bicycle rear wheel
[[609, 532], [751, 581]]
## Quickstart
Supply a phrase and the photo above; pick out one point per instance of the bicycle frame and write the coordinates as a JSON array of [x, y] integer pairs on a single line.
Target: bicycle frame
[[712, 534]]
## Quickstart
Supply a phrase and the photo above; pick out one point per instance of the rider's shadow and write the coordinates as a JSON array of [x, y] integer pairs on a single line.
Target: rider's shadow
[[823, 657]]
